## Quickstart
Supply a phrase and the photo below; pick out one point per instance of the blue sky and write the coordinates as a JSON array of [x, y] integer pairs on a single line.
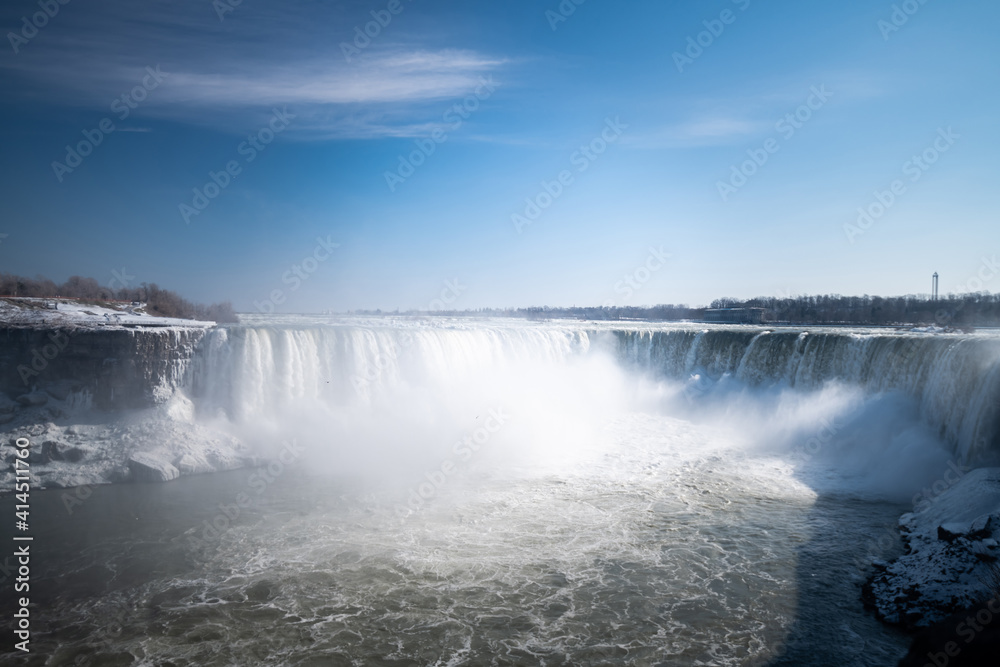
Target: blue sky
[[832, 100]]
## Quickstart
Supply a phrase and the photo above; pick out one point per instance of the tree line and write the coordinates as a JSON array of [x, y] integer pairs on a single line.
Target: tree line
[[159, 302], [959, 311]]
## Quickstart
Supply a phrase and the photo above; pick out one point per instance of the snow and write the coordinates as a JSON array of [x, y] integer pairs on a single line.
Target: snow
[[951, 545], [22, 311], [73, 445], [145, 467]]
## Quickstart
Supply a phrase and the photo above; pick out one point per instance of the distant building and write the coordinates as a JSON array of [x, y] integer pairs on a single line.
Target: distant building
[[734, 315]]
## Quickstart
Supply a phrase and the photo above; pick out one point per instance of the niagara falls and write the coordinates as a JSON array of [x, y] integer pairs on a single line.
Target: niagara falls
[[562, 333], [353, 489]]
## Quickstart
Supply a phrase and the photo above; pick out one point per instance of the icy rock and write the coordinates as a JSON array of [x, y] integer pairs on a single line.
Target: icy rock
[[149, 468], [38, 430], [33, 399], [947, 558], [77, 478], [190, 464], [978, 529], [142, 446]]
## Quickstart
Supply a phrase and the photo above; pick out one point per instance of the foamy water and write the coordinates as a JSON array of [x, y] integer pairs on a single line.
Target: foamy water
[[652, 553]]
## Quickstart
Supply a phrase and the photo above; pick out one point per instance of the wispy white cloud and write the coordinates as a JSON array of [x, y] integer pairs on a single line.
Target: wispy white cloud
[[228, 76], [387, 94], [725, 120], [716, 128], [704, 131], [397, 78]]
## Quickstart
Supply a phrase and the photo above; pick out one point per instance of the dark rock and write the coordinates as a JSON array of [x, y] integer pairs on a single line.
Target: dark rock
[[52, 413], [74, 454], [60, 451], [61, 389], [947, 535], [122, 368], [51, 451], [968, 638], [7, 406], [34, 398], [978, 530]]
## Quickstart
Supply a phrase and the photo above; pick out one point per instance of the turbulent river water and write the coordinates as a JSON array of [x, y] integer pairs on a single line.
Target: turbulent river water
[[506, 493]]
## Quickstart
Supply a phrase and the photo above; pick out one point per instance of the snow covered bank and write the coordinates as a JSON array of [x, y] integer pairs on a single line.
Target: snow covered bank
[[951, 543], [65, 313], [73, 445]]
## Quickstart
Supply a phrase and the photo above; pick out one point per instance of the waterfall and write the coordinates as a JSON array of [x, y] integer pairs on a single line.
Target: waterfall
[[955, 379], [244, 371], [250, 370]]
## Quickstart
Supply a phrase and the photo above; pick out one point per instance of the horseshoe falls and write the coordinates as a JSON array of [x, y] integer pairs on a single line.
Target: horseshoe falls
[[452, 491], [257, 374]]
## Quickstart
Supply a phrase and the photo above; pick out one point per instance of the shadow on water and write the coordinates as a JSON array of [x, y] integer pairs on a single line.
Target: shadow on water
[[118, 539], [91, 546], [832, 627]]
